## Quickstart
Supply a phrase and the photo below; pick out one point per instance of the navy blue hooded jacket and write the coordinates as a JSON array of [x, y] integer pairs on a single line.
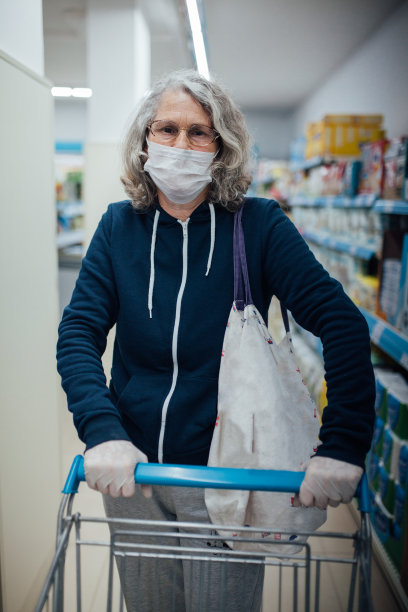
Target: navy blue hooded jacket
[[168, 287]]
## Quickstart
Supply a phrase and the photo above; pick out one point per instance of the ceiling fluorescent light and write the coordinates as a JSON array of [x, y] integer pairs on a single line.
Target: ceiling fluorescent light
[[82, 92], [61, 92], [198, 39], [68, 92]]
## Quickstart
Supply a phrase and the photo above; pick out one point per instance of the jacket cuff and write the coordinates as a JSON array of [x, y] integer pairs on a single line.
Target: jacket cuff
[[348, 455], [103, 429]]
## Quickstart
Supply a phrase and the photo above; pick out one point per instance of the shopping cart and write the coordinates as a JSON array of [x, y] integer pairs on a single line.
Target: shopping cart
[[295, 579]]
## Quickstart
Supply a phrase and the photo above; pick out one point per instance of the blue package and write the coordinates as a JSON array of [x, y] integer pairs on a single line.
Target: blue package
[[381, 522], [387, 445], [380, 398], [403, 466], [399, 504], [373, 470], [377, 435]]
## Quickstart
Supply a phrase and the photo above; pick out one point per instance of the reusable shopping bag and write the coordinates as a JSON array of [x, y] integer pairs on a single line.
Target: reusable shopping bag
[[266, 420]]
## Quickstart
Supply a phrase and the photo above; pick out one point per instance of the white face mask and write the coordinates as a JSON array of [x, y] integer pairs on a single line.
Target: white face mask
[[181, 174]]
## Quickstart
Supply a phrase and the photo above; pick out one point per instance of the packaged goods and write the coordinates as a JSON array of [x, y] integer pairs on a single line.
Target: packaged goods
[[397, 410], [352, 178], [377, 442], [402, 307], [403, 465], [391, 526], [382, 520], [385, 380], [372, 171], [390, 274], [335, 179], [395, 168], [341, 135], [386, 489], [391, 453], [399, 511], [380, 394], [390, 440], [364, 290], [373, 470]]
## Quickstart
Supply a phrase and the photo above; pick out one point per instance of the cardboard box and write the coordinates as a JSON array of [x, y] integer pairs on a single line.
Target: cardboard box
[[372, 171], [341, 135], [395, 169]]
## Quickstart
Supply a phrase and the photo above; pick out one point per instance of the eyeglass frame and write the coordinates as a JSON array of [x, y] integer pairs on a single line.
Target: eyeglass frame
[[181, 129]]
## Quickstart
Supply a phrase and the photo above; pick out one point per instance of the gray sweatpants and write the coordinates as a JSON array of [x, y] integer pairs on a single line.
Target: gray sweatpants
[[177, 585]]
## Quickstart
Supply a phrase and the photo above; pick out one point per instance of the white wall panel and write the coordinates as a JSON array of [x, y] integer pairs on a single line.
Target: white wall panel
[[30, 479], [374, 80]]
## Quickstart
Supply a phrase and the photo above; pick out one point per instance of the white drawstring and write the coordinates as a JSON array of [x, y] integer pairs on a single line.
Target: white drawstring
[[210, 256], [152, 248]]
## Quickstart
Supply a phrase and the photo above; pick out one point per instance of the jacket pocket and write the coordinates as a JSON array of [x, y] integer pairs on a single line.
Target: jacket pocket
[[140, 405]]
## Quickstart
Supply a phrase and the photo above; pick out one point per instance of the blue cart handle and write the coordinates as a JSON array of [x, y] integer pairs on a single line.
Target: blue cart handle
[[213, 478]]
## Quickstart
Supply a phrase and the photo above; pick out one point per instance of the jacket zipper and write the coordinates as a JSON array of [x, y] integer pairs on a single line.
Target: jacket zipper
[[184, 225]]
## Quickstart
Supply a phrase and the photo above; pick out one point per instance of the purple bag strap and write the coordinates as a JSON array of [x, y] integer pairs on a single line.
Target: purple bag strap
[[242, 289]]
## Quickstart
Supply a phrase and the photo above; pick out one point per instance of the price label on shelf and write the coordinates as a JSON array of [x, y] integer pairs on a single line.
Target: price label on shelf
[[389, 205], [377, 332]]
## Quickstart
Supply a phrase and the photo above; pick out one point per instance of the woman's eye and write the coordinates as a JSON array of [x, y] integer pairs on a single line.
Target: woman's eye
[[170, 130], [197, 132]]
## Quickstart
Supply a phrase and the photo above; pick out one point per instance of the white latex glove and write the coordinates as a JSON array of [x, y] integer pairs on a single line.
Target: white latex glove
[[328, 482], [110, 468]]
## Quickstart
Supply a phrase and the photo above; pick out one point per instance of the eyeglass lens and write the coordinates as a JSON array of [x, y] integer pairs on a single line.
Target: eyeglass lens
[[200, 135]]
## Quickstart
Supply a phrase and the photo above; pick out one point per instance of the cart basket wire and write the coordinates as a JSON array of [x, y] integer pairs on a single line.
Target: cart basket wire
[[296, 578]]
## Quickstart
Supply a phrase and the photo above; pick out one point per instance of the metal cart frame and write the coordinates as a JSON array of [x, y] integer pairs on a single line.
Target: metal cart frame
[[123, 546]]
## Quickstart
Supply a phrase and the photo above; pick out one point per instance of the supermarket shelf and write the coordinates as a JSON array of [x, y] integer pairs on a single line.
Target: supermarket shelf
[[387, 338], [362, 252], [65, 239], [307, 201], [384, 562], [361, 201], [308, 164], [383, 335], [394, 207]]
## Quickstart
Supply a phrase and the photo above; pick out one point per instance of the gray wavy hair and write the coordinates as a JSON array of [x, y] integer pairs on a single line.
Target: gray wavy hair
[[230, 168]]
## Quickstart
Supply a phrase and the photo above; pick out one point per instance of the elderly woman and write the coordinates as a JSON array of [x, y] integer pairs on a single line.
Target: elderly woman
[[160, 267]]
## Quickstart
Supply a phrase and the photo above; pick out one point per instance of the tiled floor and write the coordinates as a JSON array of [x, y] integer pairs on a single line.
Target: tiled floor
[[334, 577]]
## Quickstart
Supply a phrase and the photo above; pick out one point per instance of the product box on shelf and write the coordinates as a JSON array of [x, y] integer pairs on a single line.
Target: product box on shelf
[[402, 308], [341, 135], [334, 180], [391, 448], [373, 470], [391, 526], [395, 169], [372, 171], [352, 178], [397, 409], [387, 468], [386, 489], [403, 464], [390, 274]]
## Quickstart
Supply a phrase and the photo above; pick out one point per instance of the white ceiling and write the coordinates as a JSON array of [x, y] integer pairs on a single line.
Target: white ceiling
[[270, 54]]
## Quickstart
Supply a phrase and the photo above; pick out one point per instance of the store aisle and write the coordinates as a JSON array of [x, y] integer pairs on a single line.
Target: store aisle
[[334, 579]]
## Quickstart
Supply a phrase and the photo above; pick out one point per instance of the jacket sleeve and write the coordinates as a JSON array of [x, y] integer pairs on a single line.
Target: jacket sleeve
[[319, 304], [83, 331]]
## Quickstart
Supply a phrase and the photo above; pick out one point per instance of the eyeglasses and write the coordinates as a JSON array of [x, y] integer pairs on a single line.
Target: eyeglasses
[[167, 131]]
